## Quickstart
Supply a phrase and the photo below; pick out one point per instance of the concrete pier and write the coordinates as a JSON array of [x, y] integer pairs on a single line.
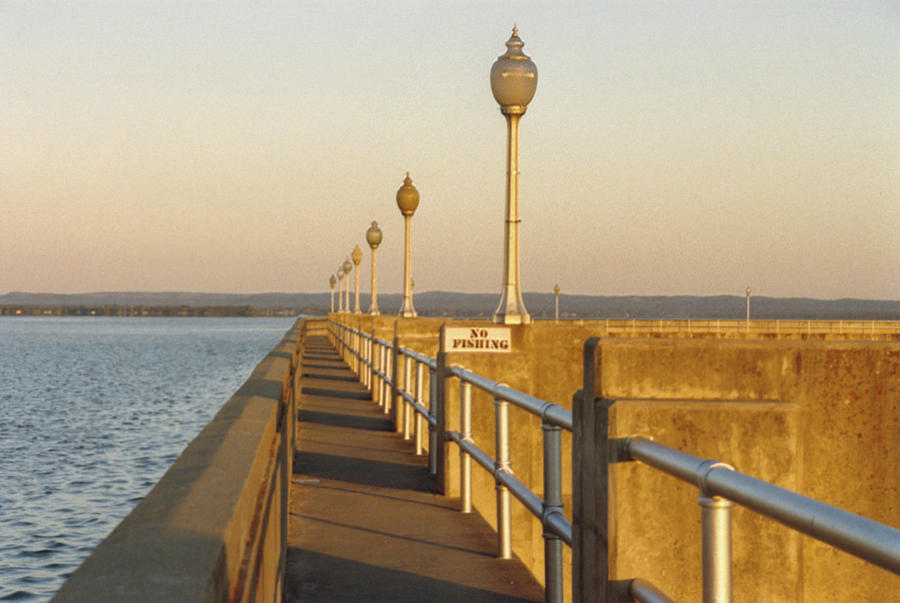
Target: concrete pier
[[365, 521], [303, 488]]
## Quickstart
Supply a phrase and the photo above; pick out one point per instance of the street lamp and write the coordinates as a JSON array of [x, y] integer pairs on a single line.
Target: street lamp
[[407, 201], [513, 82], [357, 258], [373, 238], [347, 266], [340, 275], [748, 308], [332, 282], [556, 293]]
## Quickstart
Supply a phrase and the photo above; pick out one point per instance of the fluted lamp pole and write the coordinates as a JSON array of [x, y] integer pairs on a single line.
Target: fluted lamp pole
[[332, 282], [373, 238], [340, 275], [556, 293], [347, 266], [513, 82], [748, 308], [407, 201], [356, 256]]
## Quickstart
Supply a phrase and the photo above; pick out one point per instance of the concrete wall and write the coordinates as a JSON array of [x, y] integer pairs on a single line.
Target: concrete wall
[[214, 527], [820, 418], [545, 362], [811, 412]]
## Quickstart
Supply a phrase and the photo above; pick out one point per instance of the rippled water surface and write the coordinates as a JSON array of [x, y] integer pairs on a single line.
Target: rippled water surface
[[92, 413]]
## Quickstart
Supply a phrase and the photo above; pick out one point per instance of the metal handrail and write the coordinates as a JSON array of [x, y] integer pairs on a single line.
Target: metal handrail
[[788, 327], [549, 510], [869, 540], [375, 355], [549, 412]]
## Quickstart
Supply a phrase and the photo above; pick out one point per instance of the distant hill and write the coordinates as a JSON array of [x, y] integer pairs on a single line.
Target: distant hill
[[447, 303]]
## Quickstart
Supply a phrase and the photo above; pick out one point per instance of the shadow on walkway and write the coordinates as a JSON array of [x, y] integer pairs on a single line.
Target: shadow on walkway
[[365, 522]]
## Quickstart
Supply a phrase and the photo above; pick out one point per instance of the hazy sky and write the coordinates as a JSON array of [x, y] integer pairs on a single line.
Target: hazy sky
[[671, 147]]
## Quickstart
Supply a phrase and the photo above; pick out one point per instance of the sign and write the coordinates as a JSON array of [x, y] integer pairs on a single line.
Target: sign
[[477, 339]]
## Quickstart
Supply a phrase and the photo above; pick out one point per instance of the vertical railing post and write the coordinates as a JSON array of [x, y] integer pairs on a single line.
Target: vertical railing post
[[432, 412], [418, 418], [465, 461], [553, 561], [501, 464], [389, 382], [353, 367], [716, 524], [373, 362], [386, 380], [406, 408], [382, 380], [366, 373]]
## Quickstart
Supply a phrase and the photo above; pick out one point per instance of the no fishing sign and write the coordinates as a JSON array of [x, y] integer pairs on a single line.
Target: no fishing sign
[[477, 339]]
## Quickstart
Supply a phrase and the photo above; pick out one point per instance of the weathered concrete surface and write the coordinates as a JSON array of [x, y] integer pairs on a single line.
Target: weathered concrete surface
[[818, 417], [822, 419], [365, 522], [212, 527], [545, 362]]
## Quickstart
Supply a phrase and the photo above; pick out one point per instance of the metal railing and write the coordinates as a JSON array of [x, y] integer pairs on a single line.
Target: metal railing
[[720, 485], [778, 328], [549, 510], [414, 414], [373, 360]]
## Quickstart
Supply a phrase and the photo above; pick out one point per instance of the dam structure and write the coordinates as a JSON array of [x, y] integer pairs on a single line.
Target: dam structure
[[373, 457]]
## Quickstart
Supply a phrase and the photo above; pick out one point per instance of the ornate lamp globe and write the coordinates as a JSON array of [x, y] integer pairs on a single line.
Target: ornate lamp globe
[[373, 234], [347, 266], [407, 197], [356, 256], [332, 281], [513, 77], [556, 289]]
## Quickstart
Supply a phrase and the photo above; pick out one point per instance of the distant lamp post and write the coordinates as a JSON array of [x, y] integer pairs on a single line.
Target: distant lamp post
[[513, 82], [373, 238], [340, 275], [357, 258], [556, 294], [748, 308], [407, 201], [347, 266], [332, 281]]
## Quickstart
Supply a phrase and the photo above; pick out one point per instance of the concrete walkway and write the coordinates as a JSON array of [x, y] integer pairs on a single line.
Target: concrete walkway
[[365, 523]]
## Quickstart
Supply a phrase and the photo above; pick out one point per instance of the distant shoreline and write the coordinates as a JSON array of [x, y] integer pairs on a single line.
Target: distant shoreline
[[541, 306], [144, 312]]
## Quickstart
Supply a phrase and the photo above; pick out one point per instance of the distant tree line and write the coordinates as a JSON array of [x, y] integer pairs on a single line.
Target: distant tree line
[[148, 311]]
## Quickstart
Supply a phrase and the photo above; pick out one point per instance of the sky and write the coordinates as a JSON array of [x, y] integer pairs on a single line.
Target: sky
[[671, 148]]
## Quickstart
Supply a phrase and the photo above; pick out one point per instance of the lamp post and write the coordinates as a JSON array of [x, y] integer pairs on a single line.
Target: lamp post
[[347, 266], [340, 275], [357, 258], [513, 82], [332, 282], [407, 201], [748, 308], [373, 238], [556, 293]]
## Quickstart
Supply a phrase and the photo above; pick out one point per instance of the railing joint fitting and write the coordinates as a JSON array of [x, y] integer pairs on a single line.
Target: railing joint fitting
[[703, 471], [617, 449]]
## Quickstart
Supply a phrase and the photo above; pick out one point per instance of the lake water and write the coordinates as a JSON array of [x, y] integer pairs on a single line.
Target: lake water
[[92, 413]]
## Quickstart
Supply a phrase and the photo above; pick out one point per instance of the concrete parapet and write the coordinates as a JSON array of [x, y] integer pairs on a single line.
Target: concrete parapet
[[811, 407], [817, 417], [214, 527]]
